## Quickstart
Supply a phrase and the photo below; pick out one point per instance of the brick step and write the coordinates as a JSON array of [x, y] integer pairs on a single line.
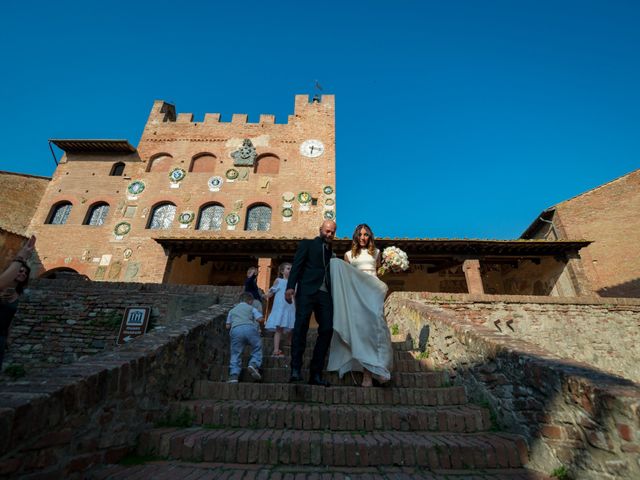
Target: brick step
[[287, 392], [281, 375], [402, 362], [397, 345], [352, 449], [207, 470], [280, 415]]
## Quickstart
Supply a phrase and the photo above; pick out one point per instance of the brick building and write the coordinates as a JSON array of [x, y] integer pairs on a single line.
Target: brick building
[[21, 195], [608, 215], [200, 202]]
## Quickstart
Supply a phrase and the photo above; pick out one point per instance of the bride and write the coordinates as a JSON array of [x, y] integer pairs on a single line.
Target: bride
[[361, 341]]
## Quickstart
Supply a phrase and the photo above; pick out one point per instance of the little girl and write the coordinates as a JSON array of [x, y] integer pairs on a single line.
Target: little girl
[[283, 314]]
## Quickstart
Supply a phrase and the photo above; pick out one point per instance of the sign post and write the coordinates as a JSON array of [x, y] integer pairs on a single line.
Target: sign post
[[134, 323]]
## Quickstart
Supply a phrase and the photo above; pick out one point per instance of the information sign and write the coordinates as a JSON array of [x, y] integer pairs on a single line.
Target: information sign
[[134, 323]]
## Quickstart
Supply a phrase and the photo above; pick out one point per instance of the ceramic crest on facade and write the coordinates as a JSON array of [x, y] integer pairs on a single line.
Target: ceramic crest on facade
[[177, 174], [186, 218], [232, 219], [215, 183], [246, 155], [136, 187], [231, 174], [122, 228], [304, 197]]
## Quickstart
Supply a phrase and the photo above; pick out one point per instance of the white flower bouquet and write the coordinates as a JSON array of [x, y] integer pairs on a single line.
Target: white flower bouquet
[[394, 260]]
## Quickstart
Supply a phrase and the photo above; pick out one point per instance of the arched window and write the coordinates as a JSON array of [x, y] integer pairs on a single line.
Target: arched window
[[97, 214], [117, 170], [267, 164], [203, 162], [162, 216], [59, 213], [258, 218], [211, 217], [160, 162]]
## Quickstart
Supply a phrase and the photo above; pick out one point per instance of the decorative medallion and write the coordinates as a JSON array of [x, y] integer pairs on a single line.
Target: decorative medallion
[[231, 174], [186, 217], [328, 190], [304, 197], [246, 155], [136, 187], [177, 174], [122, 228], [329, 202], [329, 215], [127, 253], [288, 197], [287, 212], [215, 183], [232, 219]]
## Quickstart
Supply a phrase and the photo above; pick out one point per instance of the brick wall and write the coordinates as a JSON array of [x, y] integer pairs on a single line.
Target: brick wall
[[609, 216], [59, 423], [62, 321], [571, 413]]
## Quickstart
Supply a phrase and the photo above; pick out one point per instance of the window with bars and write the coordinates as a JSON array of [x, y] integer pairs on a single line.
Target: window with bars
[[211, 217], [60, 213], [258, 218], [162, 216], [97, 214]]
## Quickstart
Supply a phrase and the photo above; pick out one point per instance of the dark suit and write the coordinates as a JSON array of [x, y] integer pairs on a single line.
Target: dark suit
[[310, 267]]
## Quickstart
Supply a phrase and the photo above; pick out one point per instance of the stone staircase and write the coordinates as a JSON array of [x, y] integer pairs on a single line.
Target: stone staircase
[[420, 426]]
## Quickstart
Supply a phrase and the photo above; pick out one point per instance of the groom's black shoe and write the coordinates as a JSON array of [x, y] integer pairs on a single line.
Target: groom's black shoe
[[296, 376], [316, 379]]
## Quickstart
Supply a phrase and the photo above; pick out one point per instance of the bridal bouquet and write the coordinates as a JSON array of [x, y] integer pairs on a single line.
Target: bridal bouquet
[[394, 260]]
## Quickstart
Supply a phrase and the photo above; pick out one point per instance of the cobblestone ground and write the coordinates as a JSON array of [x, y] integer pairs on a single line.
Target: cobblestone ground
[[210, 471]]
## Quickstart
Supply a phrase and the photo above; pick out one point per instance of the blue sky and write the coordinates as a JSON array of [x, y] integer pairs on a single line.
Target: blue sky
[[456, 119]]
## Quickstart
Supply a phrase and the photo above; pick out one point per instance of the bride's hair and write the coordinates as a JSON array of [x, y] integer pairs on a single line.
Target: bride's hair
[[281, 269], [355, 244]]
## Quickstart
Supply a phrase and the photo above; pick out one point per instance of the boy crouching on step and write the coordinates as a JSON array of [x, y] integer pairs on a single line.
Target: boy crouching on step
[[244, 329]]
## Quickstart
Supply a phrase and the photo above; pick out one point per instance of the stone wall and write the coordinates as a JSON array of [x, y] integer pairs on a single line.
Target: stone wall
[[61, 321], [62, 422], [571, 413], [603, 334]]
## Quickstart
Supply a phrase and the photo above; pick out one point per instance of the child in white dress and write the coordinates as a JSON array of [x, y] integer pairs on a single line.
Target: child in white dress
[[283, 314]]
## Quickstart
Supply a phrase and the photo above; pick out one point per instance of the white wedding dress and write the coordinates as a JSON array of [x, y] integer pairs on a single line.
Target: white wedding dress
[[361, 339]]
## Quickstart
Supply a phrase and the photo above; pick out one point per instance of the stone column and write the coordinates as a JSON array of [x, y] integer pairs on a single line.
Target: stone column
[[264, 273], [471, 269]]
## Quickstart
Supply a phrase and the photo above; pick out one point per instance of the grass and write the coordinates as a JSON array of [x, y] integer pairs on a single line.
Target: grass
[[183, 420], [493, 418], [423, 355], [561, 473], [133, 459], [395, 329], [15, 371]]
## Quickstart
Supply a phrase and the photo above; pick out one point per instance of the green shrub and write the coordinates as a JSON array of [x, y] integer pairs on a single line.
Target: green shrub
[[15, 371]]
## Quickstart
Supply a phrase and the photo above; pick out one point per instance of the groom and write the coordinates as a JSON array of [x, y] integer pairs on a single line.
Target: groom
[[310, 272]]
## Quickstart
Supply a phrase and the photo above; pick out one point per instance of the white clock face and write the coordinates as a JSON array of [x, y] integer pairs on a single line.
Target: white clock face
[[312, 148]]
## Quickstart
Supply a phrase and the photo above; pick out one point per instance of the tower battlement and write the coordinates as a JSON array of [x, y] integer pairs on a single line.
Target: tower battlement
[[164, 112]]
